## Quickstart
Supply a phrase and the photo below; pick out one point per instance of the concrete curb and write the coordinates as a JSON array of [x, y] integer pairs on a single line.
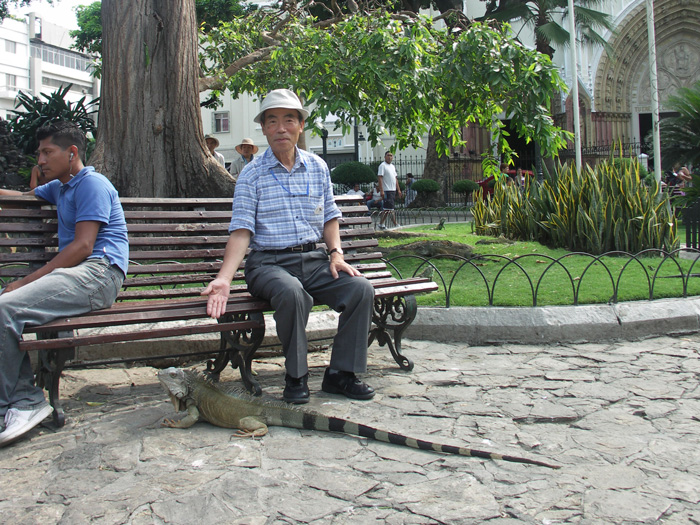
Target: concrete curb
[[557, 324]]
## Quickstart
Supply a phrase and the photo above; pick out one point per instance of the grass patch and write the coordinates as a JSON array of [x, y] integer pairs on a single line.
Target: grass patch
[[530, 274]]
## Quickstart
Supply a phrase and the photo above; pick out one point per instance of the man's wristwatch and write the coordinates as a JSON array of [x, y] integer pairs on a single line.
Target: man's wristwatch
[[335, 250]]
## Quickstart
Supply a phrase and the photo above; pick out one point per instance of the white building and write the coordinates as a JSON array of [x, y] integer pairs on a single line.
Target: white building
[[35, 57]]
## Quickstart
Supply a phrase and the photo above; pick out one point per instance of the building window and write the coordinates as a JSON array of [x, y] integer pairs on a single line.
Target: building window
[[221, 122], [10, 46], [11, 81]]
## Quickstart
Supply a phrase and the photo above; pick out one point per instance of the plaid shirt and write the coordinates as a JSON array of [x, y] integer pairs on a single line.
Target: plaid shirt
[[281, 208]]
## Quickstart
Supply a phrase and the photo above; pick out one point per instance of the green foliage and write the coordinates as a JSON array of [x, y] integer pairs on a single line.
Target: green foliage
[[37, 112], [5, 6], [593, 211], [88, 36], [350, 173], [465, 186], [543, 16], [680, 135], [401, 74], [630, 164], [426, 186]]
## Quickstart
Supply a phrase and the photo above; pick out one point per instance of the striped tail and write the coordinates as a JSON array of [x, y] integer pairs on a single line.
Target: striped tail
[[334, 424]]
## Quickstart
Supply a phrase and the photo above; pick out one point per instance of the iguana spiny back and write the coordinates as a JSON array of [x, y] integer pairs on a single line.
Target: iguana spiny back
[[192, 391]]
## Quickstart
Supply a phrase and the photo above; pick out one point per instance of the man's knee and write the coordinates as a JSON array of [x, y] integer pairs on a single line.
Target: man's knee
[[292, 296]]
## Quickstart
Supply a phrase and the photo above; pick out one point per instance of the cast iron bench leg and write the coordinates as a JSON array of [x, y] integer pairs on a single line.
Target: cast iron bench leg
[[48, 376], [393, 314], [239, 347]]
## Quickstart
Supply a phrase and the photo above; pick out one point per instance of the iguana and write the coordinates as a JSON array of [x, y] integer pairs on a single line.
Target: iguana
[[192, 391]]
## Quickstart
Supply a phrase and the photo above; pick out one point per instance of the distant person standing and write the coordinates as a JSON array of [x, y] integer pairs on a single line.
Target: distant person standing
[[388, 188], [212, 144], [410, 193], [246, 152]]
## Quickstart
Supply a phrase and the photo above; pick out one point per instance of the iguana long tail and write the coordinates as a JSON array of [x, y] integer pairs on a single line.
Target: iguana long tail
[[313, 421]]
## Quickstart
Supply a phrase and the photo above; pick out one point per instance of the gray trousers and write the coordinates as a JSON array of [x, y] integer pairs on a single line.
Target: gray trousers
[[91, 285], [291, 282]]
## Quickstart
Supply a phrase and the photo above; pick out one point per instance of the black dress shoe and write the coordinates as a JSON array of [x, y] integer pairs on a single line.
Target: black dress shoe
[[347, 384], [296, 390]]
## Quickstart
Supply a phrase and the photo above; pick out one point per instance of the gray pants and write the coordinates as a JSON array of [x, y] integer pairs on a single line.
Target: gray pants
[[291, 282], [91, 285]]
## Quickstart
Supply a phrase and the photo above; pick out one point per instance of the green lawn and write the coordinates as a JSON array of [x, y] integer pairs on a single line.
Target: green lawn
[[527, 273]]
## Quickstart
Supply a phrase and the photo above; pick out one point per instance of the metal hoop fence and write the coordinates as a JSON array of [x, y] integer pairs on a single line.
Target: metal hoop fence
[[572, 279]]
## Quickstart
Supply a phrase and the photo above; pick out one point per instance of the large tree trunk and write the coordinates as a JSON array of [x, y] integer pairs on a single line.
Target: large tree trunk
[[150, 141], [435, 168]]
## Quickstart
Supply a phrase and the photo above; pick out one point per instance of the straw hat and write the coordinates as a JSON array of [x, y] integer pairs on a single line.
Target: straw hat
[[212, 137], [248, 142], [281, 98]]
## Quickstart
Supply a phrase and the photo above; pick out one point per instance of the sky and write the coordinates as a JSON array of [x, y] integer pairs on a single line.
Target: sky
[[62, 13]]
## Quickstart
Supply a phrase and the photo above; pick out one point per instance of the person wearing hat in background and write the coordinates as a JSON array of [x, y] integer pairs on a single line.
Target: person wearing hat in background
[[246, 149], [212, 144], [282, 206]]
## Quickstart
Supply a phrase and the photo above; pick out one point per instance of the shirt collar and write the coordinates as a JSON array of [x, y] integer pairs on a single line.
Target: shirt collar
[[84, 171], [270, 161]]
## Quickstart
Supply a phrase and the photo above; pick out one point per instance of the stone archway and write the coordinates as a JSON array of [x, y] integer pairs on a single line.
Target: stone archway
[[622, 81]]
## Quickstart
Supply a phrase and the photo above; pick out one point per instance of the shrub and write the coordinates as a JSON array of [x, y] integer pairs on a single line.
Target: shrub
[[349, 173], [426, 186], [465, 187], [592, 211], [36, 113]]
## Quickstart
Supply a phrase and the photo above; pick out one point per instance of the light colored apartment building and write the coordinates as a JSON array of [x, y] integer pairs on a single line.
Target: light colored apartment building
[[35, 57]]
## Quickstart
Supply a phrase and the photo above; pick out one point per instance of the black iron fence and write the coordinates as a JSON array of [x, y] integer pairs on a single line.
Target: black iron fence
[[537, 280], [460, 167]]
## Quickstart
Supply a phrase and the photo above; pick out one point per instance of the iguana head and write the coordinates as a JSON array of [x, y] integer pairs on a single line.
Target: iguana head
[[174, 380]]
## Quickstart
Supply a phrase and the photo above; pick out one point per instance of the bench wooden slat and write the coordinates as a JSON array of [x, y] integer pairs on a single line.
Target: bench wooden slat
[[158, 333]]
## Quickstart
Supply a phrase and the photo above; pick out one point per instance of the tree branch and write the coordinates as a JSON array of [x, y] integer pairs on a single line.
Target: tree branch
[[217, 83]]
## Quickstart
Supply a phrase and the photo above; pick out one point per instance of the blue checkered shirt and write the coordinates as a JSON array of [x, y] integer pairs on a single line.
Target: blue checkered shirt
[[282, 208]]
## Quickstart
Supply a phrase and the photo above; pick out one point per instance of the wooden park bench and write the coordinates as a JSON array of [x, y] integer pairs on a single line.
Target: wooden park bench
[[176, 247]]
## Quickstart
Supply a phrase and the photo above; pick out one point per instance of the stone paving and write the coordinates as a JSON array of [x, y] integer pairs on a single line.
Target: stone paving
[[622, 419]]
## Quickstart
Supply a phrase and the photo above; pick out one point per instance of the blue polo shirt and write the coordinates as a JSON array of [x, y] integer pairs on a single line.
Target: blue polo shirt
[[89, 196]]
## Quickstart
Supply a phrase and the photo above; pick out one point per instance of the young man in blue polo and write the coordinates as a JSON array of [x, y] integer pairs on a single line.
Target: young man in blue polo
[[86, 273], [283, 205]]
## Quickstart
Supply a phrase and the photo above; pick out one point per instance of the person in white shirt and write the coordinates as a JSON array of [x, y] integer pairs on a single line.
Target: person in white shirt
[[212, 144], [389, 188], [356, 190]]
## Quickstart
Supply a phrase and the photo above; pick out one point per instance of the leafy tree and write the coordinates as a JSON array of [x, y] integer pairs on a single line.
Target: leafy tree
[[88, 36], [680, 135], [5, 6], [36, 112], [542, 15], [395, 72]]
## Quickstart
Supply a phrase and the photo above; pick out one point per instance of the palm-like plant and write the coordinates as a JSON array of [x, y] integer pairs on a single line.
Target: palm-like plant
[[36, 112], [680, 135], [541, 16]]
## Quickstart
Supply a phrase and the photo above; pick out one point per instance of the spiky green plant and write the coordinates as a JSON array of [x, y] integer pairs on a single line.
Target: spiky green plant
[[593, 210]]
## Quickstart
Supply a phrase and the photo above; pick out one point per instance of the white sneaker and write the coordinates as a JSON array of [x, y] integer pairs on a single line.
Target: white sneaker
[[19, 422]]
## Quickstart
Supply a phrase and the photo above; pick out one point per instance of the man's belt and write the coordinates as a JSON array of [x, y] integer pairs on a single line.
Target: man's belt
[[299, 248]]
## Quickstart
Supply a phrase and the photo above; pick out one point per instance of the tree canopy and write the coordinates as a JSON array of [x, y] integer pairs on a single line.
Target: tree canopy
[[397, 73]]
